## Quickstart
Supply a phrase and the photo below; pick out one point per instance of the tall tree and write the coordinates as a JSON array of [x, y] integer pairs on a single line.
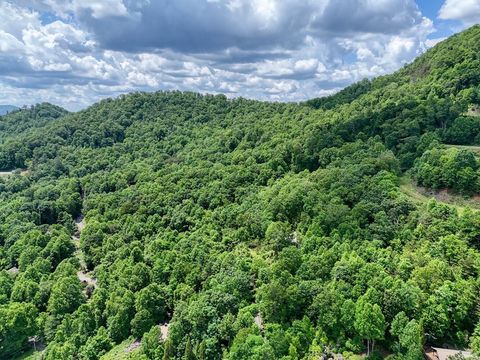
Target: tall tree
[[369, 322]]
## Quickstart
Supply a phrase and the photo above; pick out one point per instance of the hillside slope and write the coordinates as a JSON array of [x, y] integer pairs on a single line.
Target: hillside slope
[[17, 123], [247, 229]]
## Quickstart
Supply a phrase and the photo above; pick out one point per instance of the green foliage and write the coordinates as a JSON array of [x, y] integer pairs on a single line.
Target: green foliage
[[369, 321], [21, 121], [250, 346], [96, 346], [448, 168], [475, 340], [278, 235], [410, 337], [17, 322], [66, 296], [255, 230], [465, 130], [344, 96], [141, 323], [151, 344]]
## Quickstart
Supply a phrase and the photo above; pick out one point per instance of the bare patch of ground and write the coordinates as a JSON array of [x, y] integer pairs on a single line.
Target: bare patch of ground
[[446, 196], [84, 276], [22, 172], [473, 148], [134, 345], [164, 331], [13, 270], [80, 223], [473, 110], [259, 321]]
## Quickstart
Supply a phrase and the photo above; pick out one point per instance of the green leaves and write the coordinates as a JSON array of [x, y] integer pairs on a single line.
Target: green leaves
[[410, 337], [66, 296], [369, 320], [17, 323], [448, 169]]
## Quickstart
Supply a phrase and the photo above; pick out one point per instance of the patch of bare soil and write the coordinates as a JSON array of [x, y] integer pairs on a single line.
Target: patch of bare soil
[[449, 196], [164, 331], [474, 110], [22, 172], [134, 345], [86, 278], [80, 222], [259, 321]]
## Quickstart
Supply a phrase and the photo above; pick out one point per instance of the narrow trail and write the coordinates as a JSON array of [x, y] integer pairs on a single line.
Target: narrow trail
[[82, 274], [259, 321], [133, 346], [22, 172]]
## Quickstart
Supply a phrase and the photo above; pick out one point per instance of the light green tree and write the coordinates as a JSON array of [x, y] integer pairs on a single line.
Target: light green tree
[[369, 323]]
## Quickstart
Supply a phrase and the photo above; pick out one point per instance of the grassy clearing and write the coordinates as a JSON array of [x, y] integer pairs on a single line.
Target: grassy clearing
[[422, 195], [474, 148], [473, 110], [22, 172]]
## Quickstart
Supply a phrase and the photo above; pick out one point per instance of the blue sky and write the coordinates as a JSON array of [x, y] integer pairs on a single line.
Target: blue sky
[[430, 9], [443, 28], [76, 52]]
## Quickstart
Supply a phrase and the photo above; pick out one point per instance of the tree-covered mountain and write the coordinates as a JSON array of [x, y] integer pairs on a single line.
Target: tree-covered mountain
[[254, 230], [15, 123], [5, 109]]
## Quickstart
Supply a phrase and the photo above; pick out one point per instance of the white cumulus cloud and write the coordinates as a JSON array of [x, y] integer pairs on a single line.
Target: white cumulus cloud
[[466, 11], [75, 52]]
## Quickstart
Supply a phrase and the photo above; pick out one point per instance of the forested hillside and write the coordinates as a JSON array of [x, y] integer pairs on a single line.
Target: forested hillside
[[189, 226], [17, 121]]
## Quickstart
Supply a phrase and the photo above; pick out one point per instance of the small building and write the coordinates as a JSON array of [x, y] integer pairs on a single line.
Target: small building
[[434, 353]]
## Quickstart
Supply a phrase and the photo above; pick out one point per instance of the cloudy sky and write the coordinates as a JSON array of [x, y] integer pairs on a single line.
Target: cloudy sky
[[75, 52]]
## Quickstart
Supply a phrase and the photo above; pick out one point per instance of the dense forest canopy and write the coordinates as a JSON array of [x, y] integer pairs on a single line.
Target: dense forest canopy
[[208, 228]]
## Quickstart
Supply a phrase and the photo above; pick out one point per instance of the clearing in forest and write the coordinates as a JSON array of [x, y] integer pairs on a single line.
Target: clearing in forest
[[474, 110], [422, 195], [473, 148], [82, 274]]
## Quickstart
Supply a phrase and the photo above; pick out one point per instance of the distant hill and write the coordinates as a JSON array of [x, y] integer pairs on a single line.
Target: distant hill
[[5, 109], [15, 123]]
